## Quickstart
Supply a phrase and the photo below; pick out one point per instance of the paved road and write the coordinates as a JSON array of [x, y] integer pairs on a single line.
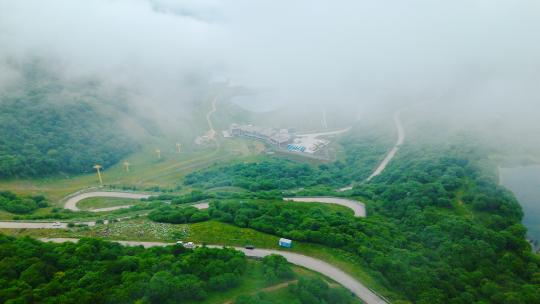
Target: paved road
[[364, 293], [71, 203], [313, 135], [358, 207], [347, 188], [380, 168], [324, 122], [63, 225], [211, 131], [38, 225], [392, 153]]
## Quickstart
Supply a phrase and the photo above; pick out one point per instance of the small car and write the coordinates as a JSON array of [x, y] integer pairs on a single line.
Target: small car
[[250, 247], [56, 224]]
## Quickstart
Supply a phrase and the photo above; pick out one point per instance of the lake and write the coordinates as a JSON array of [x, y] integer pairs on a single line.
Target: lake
[[525, 183]]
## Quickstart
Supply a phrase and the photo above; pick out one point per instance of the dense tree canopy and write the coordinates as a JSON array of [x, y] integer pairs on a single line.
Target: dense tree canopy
[[13, 203], [306, 291], [439, 230], [95, 271], [48, 127], [275, 268], [178, 215], [266, 175]]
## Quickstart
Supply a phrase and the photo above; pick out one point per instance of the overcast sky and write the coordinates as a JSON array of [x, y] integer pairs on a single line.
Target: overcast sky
[[472, 52]]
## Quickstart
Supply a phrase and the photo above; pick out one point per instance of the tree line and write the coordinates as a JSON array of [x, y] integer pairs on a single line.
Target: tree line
[[440, 229], [96, 271], [13, 203], [50, 126]]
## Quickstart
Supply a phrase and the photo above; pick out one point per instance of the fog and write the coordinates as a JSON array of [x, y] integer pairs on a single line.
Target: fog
[[473, 60]]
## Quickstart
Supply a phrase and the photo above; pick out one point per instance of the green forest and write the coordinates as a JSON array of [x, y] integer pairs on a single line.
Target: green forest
[[13, 203], [439, 230], [96, 271], [51, 127]]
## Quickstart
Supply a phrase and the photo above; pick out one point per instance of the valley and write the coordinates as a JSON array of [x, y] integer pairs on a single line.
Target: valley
[[266, 152]]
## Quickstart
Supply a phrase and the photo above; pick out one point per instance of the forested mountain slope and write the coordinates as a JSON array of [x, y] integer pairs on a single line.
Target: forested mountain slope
[[440, 229], [49, 126]]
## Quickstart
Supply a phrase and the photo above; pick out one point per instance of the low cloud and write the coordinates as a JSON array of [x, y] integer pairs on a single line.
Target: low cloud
[[479, 57]]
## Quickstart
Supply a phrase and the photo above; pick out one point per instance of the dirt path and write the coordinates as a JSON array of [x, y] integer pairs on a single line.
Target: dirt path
[[358, 207], [336, 274]]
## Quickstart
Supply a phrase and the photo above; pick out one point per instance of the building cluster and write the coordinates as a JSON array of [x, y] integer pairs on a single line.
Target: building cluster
[[269, 135], [282, 138]]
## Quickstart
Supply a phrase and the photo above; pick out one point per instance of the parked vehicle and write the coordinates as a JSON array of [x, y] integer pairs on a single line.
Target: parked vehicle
[[286, 243]]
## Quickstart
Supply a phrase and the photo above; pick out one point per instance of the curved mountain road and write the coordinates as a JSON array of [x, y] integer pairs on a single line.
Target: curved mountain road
[[401, 138], [322, 267], [325, 133], [211, 131], [63, 225], [357, 207], [364, 293], [71, 203], [389, 156]]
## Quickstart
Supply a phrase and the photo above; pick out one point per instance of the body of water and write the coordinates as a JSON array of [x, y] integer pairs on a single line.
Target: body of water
[[525, 183]]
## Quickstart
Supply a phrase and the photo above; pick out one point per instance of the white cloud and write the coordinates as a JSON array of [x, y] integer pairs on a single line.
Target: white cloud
[[304, 51]]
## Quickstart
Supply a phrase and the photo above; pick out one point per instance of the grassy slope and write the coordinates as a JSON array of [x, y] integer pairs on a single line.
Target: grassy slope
[[145, 171], [105, 202]]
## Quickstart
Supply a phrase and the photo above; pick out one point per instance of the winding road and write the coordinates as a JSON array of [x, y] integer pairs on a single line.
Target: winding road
[[39, 225], [364, 293], [326, 133], [63, 225], [211, 131], [382, 165], [357, 207], [322, 267], [392, 153], [72, 201]]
